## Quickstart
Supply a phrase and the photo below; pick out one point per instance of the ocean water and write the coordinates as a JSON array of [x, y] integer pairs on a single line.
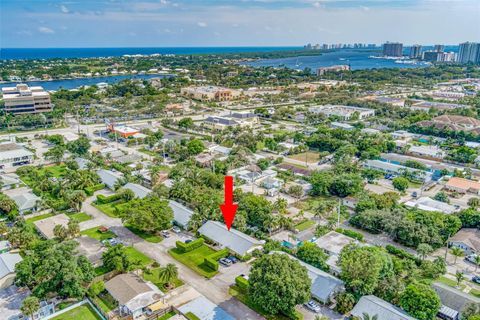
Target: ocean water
[[47, 53]]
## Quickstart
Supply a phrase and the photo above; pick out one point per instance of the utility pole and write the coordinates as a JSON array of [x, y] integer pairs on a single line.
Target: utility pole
[[446, 247], [338, 213]]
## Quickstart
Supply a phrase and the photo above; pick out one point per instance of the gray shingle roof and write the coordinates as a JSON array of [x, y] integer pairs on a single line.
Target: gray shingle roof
[[453, 298], [234, 240], [8, 262], [324, 285], [109, 178], [373, 305], [140, 191], [25, 201], [204, 309], [181, 214]]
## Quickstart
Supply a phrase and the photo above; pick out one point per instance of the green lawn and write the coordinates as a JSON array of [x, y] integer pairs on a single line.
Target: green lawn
[[304, 225], [106, 302], [100, 270], [96, 234], [167, 315], [153, 277], [109, 208], [144, 235], [40, 217], [450, 282], [136, 255], [195, 260], [243, 298], [80, 216], [84, 312]]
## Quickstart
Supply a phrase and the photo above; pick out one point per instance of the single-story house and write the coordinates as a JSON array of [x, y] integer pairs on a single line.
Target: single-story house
[[341, 125], [333, 243], [181, 214], [139, 191], [426, 151], [374, 306], [91, 248], [429, 204], [7, 268], [46, 226], [9, 181], [467, 239], [236, 241], [324, 285], [82, 163], [462, 185], [204, 309], [26, 202], [453, 301], [220, 150], [109, 178], [133, 294], [128, 158], [5, 246]]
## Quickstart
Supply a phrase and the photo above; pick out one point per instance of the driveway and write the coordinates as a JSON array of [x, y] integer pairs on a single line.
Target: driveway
[[215, 289]]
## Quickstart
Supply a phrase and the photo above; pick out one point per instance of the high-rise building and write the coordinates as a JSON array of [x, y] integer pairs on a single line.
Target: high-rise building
[[24, 99], [431, 56], [439, 48], [469, 52], [393, 49], [415, 51]]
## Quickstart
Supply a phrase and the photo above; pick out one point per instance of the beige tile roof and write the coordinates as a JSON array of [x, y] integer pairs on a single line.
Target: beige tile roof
[[469, 236]]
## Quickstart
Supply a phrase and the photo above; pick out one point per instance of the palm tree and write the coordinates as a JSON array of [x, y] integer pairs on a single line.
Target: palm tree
[[457, 252], [460, 277], [366, 316], [477, 262], [30, 305], [168, 274]]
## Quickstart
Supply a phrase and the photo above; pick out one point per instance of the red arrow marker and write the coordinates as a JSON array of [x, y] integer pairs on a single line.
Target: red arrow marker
[[229, 209]]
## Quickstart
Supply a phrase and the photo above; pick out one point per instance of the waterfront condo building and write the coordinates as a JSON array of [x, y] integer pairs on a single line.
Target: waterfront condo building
[[469, 52], [24, 99], [415, 51], [393, 49]]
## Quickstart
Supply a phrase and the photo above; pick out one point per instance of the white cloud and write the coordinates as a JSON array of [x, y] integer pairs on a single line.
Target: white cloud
[[64, 9], [46, 30], [202, 24], [318, 4]]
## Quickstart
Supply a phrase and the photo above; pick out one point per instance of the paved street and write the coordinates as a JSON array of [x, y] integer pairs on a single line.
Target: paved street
[[215, 289]]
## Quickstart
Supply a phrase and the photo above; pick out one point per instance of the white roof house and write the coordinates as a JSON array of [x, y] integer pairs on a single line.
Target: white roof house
[[236, 241], [139, 191], [13, 154], [181, 214], [26, 201], [373, 305], [108, 177], [7, 268], [427, 151], [429, 204], [324, 285], [8, 180]]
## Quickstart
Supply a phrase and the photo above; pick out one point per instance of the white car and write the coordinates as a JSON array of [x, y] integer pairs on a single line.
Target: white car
[[313, 306], [176, 229]]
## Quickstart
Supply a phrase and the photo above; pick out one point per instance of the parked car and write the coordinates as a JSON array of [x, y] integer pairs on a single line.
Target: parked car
[[313, 306], [233, 259], [414, 194], [188, 240], [176, 229], [111, 241], [165, 234], [471, 258], [225, 262], [476, 279]]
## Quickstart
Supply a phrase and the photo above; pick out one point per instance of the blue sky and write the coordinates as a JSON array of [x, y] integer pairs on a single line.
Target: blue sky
[[162, 23]]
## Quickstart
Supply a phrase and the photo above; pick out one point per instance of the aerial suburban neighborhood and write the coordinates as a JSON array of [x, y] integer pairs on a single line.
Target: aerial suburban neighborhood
[[351, 172]]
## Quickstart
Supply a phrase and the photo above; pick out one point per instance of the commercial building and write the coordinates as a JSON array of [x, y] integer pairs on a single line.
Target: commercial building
[[415, 51], [14, 155], [210, 93], [345, 113], [236, 119], [123, 131], [393, 49], [342, 67], [396, 169], [24, 99], [469, 52]]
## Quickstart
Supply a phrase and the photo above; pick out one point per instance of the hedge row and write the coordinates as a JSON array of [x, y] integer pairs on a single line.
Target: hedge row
[[402, 253], [350, 233], [90, 190], [191, 316], [211, 260], [187, 247], [102, 199], [242, 283]]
